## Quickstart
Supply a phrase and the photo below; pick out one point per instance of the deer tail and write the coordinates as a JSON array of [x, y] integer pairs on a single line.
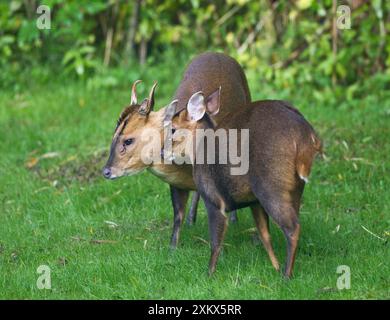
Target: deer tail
[[306, 154]]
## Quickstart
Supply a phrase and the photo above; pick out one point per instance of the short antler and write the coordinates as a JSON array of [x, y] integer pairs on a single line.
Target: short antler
[[151, 96], [133, 93], [147, 104]]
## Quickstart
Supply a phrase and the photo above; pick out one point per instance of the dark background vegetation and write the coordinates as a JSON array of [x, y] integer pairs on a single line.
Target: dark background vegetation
[[61, 91]]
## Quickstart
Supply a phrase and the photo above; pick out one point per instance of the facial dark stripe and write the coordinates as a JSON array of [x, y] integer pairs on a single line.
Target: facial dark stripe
[[112, 152], [125, 115], [124, 126]]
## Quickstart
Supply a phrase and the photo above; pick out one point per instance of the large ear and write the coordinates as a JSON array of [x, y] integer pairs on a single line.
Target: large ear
[[148, 104], [213, 102], [170, 111], [133, 93], [196, 106]]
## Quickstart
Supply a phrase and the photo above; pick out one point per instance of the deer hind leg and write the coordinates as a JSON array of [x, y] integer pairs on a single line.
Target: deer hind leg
[[283, 208], [286, 216], [192, 213], [262, 224], [291, 232], [217, 227], [291, 227], [179, 200]]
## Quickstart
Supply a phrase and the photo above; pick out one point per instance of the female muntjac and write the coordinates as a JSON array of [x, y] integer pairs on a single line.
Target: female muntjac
[[279, 145]]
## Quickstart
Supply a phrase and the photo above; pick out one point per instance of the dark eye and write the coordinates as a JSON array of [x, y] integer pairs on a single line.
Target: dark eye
[[128, 142], [173, 130]]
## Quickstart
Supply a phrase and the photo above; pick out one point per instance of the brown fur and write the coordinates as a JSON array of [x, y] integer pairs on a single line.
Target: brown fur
[[282, 146], [205, 72], [209, 71]]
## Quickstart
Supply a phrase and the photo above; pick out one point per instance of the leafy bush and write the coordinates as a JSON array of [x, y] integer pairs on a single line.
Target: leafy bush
[[287, 43]]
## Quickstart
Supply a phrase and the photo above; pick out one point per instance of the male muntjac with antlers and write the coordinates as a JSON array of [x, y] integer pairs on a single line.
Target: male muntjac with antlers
[[127, 155]]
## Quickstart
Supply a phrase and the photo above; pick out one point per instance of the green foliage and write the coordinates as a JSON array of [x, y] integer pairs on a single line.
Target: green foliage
[[80, 58], [287, 43]]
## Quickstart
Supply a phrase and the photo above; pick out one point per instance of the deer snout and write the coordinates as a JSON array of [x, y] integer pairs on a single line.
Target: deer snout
[[107, 172]]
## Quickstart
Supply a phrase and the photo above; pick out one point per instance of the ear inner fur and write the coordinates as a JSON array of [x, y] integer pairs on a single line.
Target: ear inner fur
[[196, 106], [213, 102]]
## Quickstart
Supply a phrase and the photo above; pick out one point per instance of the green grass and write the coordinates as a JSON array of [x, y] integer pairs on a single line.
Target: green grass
[[51, 212]]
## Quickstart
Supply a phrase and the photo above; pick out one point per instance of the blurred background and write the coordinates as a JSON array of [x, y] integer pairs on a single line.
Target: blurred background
[[63, 88], [286, 43]]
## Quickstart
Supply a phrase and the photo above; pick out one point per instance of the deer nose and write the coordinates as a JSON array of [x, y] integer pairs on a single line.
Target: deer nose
[[106, 172]]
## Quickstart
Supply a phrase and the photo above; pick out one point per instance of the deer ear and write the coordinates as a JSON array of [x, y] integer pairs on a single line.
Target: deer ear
[[213, 102], [196, 107], [170, 111], [144, 107]]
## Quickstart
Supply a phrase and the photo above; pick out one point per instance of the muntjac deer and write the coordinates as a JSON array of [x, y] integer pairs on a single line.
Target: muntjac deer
[[206, 72], [279, 145]]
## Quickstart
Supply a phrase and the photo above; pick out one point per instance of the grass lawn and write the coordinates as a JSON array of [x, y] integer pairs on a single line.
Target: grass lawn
[[54, 208]]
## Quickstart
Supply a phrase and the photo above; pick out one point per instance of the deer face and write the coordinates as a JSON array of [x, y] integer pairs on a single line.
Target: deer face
[[128, 154], [184, 124]]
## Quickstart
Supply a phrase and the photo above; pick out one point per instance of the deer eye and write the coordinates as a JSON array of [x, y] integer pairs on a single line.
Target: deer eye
[[173, 131], [128, 142]]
